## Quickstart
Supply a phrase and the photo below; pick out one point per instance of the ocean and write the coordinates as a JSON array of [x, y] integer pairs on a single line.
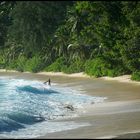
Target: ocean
[[29, 108]]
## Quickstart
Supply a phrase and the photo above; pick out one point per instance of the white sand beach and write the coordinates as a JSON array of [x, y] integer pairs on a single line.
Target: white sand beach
[[123, 78]]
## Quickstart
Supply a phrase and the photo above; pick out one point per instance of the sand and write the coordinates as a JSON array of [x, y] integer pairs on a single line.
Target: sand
[[117, 117], [123, 78]]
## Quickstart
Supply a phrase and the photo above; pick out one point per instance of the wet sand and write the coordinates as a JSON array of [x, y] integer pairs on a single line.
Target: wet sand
[[117, 117]]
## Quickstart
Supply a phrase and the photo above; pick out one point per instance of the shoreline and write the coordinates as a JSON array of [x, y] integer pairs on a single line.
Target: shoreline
[[114, 118], [122, 79]]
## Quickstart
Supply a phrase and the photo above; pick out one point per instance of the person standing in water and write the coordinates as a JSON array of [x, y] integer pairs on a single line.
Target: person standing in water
[[48, 81]]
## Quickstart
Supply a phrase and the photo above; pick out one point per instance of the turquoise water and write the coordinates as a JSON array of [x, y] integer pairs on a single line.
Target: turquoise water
[[28, 106]]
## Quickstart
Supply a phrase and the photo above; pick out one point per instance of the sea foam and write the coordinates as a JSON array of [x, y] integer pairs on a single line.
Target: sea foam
[[28, 106]]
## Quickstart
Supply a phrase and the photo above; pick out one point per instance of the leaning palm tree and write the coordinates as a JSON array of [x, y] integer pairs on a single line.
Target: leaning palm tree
[[61, 41]]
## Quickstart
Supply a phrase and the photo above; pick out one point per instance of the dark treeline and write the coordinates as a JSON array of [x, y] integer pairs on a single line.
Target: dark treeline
[[97, 37]]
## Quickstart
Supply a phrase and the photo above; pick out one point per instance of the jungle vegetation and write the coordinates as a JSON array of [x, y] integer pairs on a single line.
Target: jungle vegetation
[[99, 38]]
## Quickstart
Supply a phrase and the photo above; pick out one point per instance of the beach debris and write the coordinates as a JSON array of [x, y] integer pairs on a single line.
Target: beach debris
[[93, 102], [70, 107]]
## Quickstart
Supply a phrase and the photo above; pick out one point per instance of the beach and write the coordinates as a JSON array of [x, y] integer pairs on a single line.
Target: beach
[[117, 117]]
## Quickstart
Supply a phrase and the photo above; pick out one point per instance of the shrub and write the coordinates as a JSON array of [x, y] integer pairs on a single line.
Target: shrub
[[21, 63], [12, 65], [17, 64], [57, 66], [34, 64], [116, 71], [2, 62], [104, 67], [136, 76], [74, 67], [97, 67]]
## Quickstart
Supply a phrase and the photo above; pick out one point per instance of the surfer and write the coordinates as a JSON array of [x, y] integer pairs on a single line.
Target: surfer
[[48, 81]]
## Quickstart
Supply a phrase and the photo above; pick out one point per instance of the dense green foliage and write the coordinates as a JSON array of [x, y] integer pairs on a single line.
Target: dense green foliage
[[136, 76], [97, 37]]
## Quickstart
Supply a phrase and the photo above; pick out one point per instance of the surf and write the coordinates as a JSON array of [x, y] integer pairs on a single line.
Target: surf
[[27, 105]]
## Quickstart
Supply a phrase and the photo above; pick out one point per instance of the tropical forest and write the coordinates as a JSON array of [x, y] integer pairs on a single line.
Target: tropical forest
[[99, 38]]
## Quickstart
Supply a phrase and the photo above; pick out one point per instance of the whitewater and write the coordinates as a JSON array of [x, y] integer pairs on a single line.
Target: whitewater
[[29, 108]]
